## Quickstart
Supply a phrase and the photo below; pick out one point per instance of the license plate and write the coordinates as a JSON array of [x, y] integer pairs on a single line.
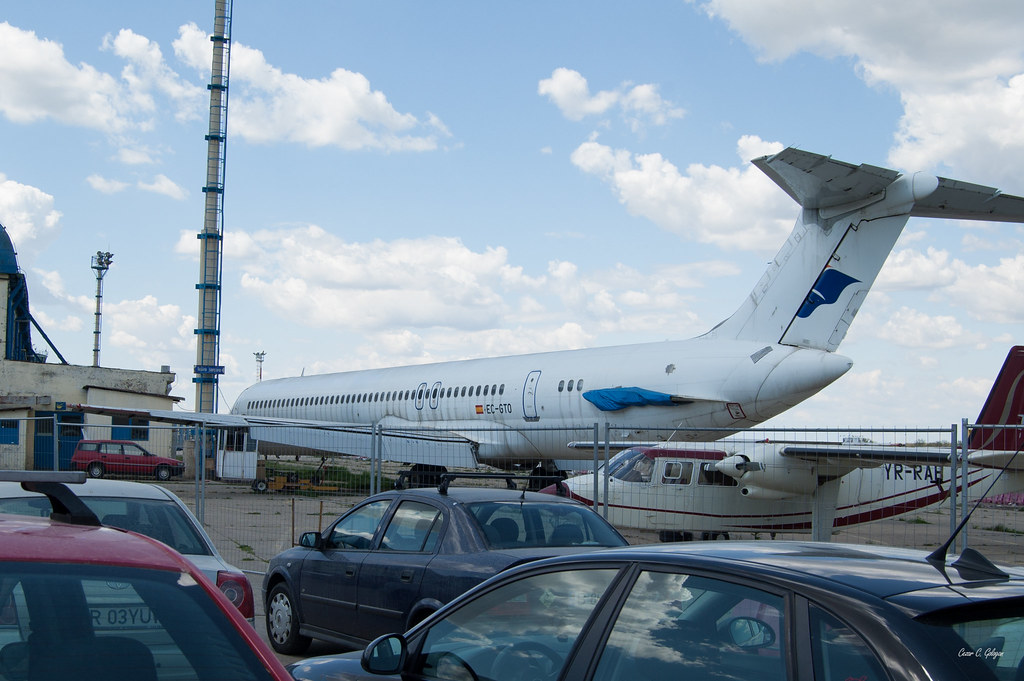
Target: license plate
[[123, 617]]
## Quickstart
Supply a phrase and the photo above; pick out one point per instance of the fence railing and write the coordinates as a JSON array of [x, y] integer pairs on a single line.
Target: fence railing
[[256, 496]]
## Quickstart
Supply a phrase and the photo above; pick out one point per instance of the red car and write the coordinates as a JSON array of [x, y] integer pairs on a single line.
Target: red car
[[122, 457], [79, 600]]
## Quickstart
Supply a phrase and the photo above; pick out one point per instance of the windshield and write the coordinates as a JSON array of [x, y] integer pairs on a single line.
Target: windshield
[[162, 520], [509, 525], [75, 621], [632, 465]]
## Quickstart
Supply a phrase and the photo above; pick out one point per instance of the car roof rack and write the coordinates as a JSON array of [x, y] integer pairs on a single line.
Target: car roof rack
[[444, 479], [67, 507]]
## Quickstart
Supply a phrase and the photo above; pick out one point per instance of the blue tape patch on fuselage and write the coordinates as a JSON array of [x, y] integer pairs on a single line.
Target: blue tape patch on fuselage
[[613, 399], [826, 290]]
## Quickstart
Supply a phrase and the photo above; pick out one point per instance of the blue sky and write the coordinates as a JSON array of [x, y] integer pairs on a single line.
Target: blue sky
[[411, 182]]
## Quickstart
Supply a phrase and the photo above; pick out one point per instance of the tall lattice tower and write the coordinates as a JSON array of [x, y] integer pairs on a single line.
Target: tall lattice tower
[[208, 368]]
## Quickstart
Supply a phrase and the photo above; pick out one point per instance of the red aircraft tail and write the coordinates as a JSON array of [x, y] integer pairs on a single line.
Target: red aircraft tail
[[1004, 406]]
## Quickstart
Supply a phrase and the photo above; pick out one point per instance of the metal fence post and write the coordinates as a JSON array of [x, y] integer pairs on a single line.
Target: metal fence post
[[56, 444], [954, 452], [965, 502], [596, 476], [607, 445]]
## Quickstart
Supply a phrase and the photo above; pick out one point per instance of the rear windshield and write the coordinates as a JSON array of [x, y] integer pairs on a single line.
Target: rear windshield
[[162, 520], [988, 643], [73, 621], [509, 525]]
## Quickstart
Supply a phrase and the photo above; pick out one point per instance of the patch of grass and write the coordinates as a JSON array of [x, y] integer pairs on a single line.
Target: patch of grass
[[916, 520], [245, 548], [1004, 528]]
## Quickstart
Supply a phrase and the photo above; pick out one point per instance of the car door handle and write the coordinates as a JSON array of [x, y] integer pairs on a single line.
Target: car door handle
[[406, 575], [350, 572]]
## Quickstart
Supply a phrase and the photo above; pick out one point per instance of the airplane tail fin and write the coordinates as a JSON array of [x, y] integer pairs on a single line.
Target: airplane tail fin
[[1004, 406], [850, 220]]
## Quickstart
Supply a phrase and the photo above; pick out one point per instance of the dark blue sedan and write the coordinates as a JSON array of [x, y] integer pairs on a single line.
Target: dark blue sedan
[[400, 555], [723, 611]]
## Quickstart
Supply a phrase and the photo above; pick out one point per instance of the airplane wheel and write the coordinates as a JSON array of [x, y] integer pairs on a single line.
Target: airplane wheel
[[674, 536]]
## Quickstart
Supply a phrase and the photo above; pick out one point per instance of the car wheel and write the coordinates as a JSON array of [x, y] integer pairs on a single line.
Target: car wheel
[[259, 486], [163, 473], [95, 470], [283, 623]]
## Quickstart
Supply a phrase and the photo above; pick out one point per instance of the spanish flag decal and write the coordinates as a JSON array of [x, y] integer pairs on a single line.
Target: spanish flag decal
[[479, 409]]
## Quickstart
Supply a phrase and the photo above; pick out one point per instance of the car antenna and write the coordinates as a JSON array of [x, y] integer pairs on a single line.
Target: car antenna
[[971, 564]]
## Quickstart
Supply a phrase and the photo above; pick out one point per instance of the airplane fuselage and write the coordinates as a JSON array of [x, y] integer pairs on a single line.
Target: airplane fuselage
[[510, 406], [681, 493]]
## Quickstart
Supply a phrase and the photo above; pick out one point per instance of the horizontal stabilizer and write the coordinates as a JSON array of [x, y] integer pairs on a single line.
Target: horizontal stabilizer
[[957, 200], [815, 181]]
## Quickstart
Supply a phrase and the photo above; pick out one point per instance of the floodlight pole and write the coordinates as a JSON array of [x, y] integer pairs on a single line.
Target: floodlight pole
[[100, 264]]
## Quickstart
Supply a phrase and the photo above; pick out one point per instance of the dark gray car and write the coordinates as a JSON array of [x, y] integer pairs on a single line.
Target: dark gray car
[[716, 611], [400, 555]]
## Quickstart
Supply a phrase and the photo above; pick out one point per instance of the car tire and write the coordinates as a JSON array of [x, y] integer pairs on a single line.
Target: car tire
[[283, 623], [95, 470], [163, 473]]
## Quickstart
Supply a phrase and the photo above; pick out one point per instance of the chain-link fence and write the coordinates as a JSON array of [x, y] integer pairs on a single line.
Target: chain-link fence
[[256, 496]]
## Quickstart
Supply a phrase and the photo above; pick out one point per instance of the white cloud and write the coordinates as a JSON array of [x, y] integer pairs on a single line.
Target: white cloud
[[990, 293], [733, 208], [29, 216], [146, 72], [37, 82], [162, 184], [105, 185], [911, 269], [639, 104], [342, 110], [958, 67], [915, 329]]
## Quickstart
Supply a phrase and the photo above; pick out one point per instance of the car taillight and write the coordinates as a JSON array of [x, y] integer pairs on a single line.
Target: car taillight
[[237, 588]]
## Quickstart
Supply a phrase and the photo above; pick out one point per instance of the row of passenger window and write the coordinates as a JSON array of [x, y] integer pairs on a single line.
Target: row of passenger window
[[563, 386], [420, 393]]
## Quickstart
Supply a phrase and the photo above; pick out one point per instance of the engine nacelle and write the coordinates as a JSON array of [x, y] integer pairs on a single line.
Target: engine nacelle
[[765, 474], [754, 492]]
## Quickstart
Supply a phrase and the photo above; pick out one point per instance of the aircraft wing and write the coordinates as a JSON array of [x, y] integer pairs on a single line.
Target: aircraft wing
[[185, 418], [286, 436], [842, 459]]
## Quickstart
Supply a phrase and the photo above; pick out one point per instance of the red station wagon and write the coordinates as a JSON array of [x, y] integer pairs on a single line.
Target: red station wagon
[[122, 457]]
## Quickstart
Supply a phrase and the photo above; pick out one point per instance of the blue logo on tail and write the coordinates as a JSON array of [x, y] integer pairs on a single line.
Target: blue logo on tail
[[826, 290]]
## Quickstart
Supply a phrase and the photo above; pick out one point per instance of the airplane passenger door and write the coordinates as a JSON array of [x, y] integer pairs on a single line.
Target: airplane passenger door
[[434, 392], [419, 395], [530, 396]]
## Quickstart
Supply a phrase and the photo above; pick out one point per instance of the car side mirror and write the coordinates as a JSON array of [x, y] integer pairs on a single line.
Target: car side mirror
[[750, 633], [311, 540], [385, 655]]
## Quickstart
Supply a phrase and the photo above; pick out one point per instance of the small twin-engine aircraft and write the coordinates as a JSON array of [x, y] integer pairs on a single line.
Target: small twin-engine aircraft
[[690, 491]]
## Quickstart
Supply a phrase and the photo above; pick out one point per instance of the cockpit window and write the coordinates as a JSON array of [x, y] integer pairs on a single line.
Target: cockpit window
[[637, 468]]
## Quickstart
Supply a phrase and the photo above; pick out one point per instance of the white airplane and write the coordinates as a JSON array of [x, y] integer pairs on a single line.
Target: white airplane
[[687, 492], [775, 351]]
